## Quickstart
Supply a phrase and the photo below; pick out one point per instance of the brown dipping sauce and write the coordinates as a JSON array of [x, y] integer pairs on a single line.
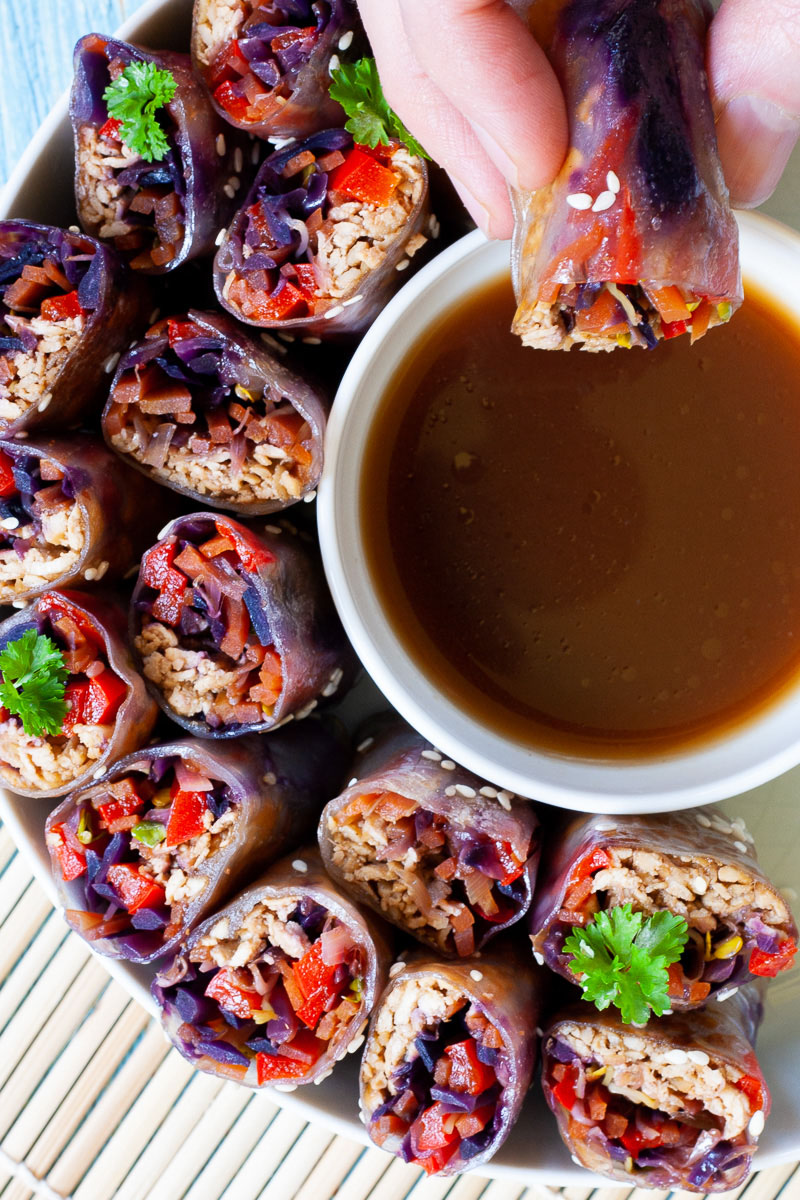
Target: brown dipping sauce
[[596, 555]]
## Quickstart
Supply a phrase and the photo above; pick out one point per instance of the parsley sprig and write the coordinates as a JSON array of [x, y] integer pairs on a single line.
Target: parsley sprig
[[34, 680], [357, 87], [134, 98], [622, 959]]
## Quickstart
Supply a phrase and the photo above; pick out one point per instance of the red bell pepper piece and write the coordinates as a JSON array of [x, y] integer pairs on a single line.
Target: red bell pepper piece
[[55, 606], [235, 105], [76, 695], [58, 308], [468, 1074], [362, 177], [314, 979], [106, 693], [771, 965], [169, 601], [673, 329], [234, 999], [135, 890], [564, 1090], [284, 40], [125, 804], [510, 863], [277, 1066], [157, 562], [110, 130], [7, 485], [628, 264], [752, 1088], [186, 815], [230, 59], [434, 1129], [251, 554], [434, 1162], [178, 330], [71, 861], [634, 1141], [596, 860]]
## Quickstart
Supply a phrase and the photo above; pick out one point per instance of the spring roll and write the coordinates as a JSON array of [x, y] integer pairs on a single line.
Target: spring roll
[[109, 713], [695, 864], [449, 1057], [200, 406], [158, 211], [235, 629], [635, 240], [71, 514], [679, 1104], [276, 987], [173, 830], [429, 846], [66, 311], [324, 236], [267, 65]]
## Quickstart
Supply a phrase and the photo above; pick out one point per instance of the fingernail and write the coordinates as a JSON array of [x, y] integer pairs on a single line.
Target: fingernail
[[479, 213], [505, 165], [756, 138]]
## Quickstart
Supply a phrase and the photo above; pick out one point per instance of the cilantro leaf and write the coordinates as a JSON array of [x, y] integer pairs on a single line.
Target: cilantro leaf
[[34, 681], [622, 959], [357, 87], [134, 98]]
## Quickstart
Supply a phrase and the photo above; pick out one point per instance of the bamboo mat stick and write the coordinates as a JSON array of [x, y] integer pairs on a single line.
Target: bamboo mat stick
[[18, 983], [276, 1142], [193, 1152], [21, 926], [330, 1169], [228, 1157], [364, 1175], [7, 847], [16, 878], [296, 1166]]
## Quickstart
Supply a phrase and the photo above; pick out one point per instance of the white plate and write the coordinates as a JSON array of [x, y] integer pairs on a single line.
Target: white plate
[[533, 1153]]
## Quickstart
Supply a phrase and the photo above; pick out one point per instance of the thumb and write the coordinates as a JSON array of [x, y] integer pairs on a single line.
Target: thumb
[[754, 70]]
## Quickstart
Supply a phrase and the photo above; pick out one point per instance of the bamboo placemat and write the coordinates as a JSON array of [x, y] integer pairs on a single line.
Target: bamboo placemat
[[95, 1105]]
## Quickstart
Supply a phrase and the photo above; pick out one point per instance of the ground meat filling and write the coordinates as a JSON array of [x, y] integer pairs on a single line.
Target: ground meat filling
[[279, 991], [645, 1105], [737, 926], [199, 638], [251, 54], [187, 415], [433, 1074], [140, 845], [42, 531], [323, 219], [136, 205], [429, 875]]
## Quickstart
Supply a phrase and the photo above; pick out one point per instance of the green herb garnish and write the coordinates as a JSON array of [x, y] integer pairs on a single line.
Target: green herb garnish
[[357, 87], [85, 833], [134, 98], [149, 832], [34, 680], [622, 959]]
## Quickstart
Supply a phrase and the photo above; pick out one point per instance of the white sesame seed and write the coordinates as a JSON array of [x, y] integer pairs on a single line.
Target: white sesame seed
[[501, 796], [285, 337], [576, 1160], [604, 825], [403, 264], [352, 300], [163, 532], [504, 803], [10, 523], [309, 496], [74, 228], [270, 779], [539, 958], [321, 1078], [90, 573], [741, 847], [433, 755], [238, 160], [447, 764], [676, 1058], [312, 341], [699, 885], [111, 363], [334, 64], [698, 1057], [306, 710], [330, 313], [255, 153], [281, 143], [19, 603], [612, 182], [449, 791], [270, 341], [285, 1087], [101, 570], [346, 40], [154, 315], [353, 780], [220, 238], [396, 968], [220, 144], [703, 820], [476, 975], [99, 773], [434, 228], [489, 792], [755, 1126], [356, 1044], [299, 865], [604, 201], [580, 200], [466, 791], [726, 995], [230, 193], [43, 404]]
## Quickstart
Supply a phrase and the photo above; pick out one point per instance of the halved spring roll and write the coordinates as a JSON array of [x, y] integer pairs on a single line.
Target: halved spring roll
[[697, 865], [679, 1104], [160, 210], [203, 408], [70, 513], [449, 1057], [173, 830], [108, 711], [324, 236], [235, 629], [66, 311], [432, 848], [635, 240], [277, 986], [267, 65]]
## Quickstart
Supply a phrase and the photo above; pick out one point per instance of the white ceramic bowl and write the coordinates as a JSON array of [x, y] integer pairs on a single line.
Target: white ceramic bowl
[[758, 751]]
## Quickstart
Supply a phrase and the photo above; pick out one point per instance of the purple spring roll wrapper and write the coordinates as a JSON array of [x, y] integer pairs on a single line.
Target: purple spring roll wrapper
[[507, 989], [229, 364], [286, 205], [399, 760], [275, 786], [302, 876], [204, 180], [118, 513], [115, 308], [695, 846], [137, 712], [290, 608], [643, 169], [297, 81], [725, 1035]]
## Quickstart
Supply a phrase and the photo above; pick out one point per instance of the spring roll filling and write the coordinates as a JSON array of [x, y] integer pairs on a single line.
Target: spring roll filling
[[279, 990], [205, 639], [251, 54], [325, 216], [94, 693], [434, 1072], [736, 924], [42, 531], [427, 873], [140, 844], [198, 417], [136, 205], [645, 1104]]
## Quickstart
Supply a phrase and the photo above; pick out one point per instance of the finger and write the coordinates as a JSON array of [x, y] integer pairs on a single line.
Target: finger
[[429, 115], [754, 70], [488, 65]]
